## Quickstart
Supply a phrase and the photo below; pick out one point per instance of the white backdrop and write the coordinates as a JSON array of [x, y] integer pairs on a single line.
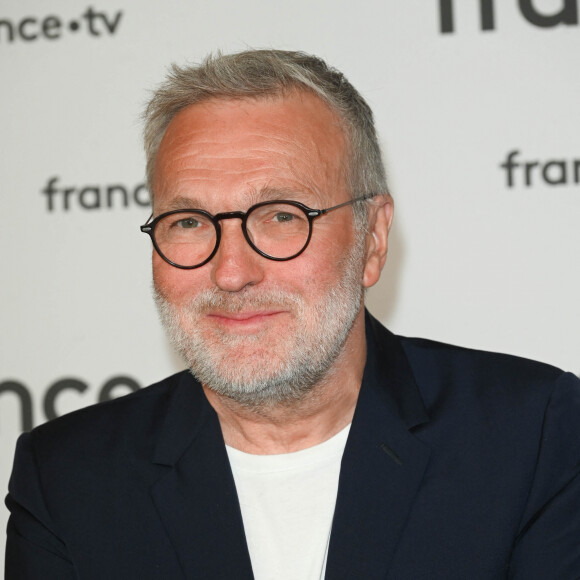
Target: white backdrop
[[481, 255]]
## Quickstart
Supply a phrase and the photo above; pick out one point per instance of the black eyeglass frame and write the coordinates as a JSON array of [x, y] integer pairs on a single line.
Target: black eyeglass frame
[[310, 213]]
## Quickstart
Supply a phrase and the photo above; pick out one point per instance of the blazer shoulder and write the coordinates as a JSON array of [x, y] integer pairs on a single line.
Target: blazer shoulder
[[113, 422], [444, 370], [438, 355]]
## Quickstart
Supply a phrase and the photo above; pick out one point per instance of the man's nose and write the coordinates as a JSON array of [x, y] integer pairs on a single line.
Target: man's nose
[[235, 264]]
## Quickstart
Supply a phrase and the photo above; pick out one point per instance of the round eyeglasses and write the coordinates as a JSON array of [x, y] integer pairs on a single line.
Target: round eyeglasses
[[277, 230]]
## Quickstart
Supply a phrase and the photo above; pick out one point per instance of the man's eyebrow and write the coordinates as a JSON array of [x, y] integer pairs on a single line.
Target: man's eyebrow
[[183, 202], [269, 193]]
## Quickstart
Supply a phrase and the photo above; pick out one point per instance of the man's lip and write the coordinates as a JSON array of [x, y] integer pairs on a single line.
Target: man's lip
[[249, 315]]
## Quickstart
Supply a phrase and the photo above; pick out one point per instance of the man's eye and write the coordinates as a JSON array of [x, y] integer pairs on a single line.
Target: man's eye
[[188, 223], [283, 217]]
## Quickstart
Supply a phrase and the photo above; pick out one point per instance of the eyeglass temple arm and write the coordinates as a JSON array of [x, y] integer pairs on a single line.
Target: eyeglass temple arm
[[349, 202]]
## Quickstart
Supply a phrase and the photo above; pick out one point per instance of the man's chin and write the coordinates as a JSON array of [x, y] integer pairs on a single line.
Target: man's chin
[[256, 390], [238, 356]]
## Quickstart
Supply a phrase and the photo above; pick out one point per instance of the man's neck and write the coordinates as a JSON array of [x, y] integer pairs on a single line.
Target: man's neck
[[324, 411]]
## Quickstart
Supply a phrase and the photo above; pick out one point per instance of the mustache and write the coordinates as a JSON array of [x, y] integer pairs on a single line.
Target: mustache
[[213, 299]]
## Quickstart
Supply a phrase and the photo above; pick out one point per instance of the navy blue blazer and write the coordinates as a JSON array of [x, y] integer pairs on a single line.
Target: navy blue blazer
[[459, 465]]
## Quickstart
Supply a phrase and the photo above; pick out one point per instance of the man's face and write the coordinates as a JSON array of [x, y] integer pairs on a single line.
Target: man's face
[[250, 328]]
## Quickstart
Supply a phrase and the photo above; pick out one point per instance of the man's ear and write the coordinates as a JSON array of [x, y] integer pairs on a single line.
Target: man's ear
[[381, 210]]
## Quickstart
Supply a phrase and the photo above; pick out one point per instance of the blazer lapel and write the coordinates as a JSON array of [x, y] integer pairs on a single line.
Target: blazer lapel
[[196, 499], [382, 466], [381, 472]]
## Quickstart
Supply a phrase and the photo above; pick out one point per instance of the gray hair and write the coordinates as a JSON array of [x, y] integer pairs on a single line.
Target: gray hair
[[261, 73]]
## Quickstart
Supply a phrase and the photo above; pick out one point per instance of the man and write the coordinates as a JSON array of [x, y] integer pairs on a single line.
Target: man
[[307, 442]]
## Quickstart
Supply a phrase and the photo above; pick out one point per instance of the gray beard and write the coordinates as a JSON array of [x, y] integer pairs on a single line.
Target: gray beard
[[274, 376]]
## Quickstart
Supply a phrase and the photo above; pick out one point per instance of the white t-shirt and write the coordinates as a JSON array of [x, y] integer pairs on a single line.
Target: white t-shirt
[[287, 504]]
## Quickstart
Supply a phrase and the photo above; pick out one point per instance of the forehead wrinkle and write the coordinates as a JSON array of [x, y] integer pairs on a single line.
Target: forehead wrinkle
[[191, 167], [199, 160], [198, 146]]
